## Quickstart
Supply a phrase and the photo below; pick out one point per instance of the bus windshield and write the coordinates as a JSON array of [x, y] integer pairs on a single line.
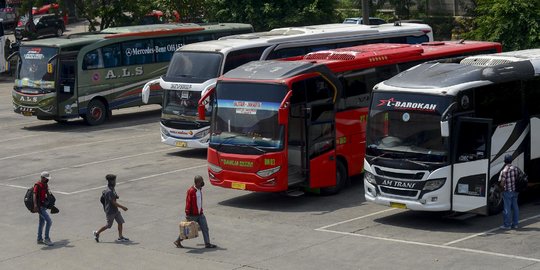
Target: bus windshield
[[193, 67], [406, 126], [178, 102], [246, 115], [33, 67]]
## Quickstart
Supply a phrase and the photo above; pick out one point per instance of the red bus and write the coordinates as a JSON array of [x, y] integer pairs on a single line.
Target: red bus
[[286, 125]]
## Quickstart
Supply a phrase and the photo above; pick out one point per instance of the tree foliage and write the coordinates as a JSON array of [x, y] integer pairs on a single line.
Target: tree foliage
[[514, 23], [264, 15]]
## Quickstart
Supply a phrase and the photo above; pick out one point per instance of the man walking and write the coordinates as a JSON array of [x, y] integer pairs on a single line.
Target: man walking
[[110, 206], [507, 181], [194, 211], [41, 189]]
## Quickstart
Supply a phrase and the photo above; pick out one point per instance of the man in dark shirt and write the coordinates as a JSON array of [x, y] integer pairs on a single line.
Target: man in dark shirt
[[110, 206]]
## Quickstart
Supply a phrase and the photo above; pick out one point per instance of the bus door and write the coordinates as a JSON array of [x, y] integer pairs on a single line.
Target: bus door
[[470, 170], [321, 132], [66, 86]]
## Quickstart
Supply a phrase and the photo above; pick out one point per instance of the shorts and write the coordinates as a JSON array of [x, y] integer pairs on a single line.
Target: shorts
[[116, 216]]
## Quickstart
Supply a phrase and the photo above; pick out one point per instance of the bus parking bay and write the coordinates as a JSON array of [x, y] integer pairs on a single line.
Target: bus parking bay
[[252, 230]]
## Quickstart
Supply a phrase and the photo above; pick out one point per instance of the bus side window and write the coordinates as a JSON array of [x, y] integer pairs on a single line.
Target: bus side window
[[532, 96], [287, 52], [316, 48], [92, 60], [111, 56], [237, 58], [138, 52], [165, 48], [417, 40], [500, 102]]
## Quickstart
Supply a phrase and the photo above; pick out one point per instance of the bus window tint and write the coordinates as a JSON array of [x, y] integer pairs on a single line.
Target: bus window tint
[[240, 57], [287, 52], [501, 102], [320, 48], [92, 60], [187, 65], [138, 52], [417, 40], [112, 56], [532, 96], [165, 48], [197, 38]]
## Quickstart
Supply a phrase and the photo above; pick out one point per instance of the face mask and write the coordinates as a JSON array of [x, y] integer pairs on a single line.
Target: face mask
[[46, 180]]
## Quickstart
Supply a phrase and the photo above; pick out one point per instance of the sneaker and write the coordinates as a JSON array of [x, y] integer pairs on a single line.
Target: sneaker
[[210, 246], [40, 242], [515, 227], [504, 228], [96, 236], [122, 239], [178, 244], [48, 242]]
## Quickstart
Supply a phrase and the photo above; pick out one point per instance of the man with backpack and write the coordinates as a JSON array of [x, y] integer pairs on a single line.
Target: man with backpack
[[41, 189], [508, 180], [110, 206]]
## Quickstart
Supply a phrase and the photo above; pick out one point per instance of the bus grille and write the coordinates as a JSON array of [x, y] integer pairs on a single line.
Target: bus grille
[[415, 176], [399, 192]]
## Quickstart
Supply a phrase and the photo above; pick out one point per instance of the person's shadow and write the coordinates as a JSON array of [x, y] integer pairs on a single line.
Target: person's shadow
[[64, 243]]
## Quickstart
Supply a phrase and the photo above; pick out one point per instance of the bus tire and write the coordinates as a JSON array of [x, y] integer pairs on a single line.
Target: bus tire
[[341, 180], [59, 32], [495, 200], [96, 113]]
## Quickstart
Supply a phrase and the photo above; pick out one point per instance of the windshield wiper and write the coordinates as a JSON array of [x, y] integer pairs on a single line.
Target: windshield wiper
[[416, 162], [227, 139], [254, 147]]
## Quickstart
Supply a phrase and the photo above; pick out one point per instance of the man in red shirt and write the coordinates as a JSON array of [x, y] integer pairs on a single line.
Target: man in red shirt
[[41, 189], [194, 211]]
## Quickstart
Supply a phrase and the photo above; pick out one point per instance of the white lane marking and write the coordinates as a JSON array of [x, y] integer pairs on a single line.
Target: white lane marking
[[22, 124], [76, 145], [140, 178], [86, 164], [21, 137], [433, 245], [118, 183], [484, 233], [349, 220]]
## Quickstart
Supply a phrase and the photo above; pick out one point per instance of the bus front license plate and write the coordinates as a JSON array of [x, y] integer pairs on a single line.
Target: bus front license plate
[[25, 113], [398, 205], [181, 144], [237, 185]]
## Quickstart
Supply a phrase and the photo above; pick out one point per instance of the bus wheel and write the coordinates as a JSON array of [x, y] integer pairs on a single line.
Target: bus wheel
[[495, 201], [96, 113], [341, 180]]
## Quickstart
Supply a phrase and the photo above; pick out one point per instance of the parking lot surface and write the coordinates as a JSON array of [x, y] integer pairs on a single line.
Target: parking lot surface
[[252, 230]]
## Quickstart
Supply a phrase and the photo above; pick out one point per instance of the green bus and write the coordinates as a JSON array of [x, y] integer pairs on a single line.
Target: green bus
[[88, 75]]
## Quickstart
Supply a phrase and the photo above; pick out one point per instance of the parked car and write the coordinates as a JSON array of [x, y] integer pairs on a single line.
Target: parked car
[[358, 20], [9, 19], [41, 25]]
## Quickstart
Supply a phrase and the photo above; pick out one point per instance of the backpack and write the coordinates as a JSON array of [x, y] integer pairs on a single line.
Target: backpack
[[522, 181], [29, 199], [102, 198]]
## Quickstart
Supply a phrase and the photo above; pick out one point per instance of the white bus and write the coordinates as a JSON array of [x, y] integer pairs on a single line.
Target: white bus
[[437, 133], [195, 67]]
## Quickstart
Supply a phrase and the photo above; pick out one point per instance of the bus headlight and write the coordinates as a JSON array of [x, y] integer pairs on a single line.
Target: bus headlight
[[165, 132], [214, 168], [268, 172], [201, 134], [434, 184], [370, 178]]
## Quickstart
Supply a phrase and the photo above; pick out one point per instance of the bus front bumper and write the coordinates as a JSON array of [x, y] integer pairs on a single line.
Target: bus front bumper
[[372, 195], [245, 181]]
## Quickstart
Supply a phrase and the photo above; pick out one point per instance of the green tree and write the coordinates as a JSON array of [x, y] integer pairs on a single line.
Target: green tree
[[264, 14], [514, 23]]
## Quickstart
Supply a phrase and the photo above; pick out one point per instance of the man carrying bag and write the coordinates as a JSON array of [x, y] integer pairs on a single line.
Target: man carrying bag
[[194, 212]]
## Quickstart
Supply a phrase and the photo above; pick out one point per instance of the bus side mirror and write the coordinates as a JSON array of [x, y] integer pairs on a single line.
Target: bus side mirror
[[445, 129], [145, 93], [205, 96]]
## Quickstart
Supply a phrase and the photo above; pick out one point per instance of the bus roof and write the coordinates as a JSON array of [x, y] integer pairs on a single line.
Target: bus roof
[[451, 78], [132, 31], [501, 58], [296, 34], [357, 57]]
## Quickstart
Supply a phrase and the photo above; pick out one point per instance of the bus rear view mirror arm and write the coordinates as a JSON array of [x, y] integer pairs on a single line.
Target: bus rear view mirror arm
[[445, 118], [145, 94]]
